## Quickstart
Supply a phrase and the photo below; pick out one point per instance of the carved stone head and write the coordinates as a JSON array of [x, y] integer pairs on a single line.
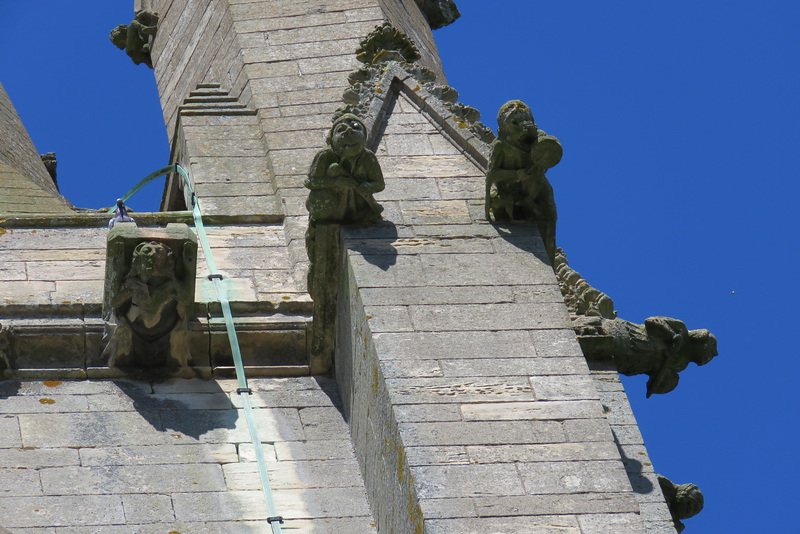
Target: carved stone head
[[515, 122], [704, 344], [348, 136], [152, 259], [119, 36], [688, 501]]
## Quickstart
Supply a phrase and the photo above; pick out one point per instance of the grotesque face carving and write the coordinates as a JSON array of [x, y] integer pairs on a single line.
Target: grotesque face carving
[[152, 259], [515, 121], [348, 136]]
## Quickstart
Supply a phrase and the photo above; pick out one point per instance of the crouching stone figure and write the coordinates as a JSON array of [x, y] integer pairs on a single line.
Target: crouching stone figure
[[516, 187], [149, 299]]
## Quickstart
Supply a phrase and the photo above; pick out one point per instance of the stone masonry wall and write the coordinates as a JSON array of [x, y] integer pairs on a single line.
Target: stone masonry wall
[[51, 294], [470, 403], [126, 456]]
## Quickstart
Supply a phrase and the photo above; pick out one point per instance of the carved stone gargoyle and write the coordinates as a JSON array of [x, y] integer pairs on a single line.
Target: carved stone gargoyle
[[149, 296], [136, 38], [516, 187], [684, 500], [660, 348], [342, 180]]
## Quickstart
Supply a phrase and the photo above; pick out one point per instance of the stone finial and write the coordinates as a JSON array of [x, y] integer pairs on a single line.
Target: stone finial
[[387, 43], [516, 187], [684, 500], [439, 13], [137, 38], [149, 296]]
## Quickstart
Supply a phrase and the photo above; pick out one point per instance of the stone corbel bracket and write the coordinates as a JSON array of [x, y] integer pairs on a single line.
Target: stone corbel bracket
[[148, 296]]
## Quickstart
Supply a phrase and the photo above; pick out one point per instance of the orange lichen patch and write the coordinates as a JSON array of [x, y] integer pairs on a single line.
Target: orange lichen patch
[[173, 532], [52, 383], [176, 436], [47, 401], [3, 231], [286, 297]]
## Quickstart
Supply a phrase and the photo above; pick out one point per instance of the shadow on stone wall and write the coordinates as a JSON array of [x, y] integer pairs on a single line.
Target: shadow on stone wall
[[377, 249], [200, 414], [9, 388], [524, 236]]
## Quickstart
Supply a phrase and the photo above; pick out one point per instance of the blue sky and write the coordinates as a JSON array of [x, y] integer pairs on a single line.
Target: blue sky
[[676, 193]]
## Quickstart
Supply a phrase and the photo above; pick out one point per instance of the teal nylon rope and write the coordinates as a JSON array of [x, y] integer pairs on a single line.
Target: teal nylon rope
[[222, 296]]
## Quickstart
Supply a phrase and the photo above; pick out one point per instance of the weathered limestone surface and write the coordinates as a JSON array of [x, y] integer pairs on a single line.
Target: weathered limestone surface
[[470, 404], [128, 456], [631, 447]]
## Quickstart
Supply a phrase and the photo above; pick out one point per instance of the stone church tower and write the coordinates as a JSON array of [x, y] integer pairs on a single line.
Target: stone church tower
[[434, 384]]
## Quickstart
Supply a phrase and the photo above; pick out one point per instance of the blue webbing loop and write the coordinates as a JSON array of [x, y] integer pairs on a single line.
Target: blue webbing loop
[[222, 296]]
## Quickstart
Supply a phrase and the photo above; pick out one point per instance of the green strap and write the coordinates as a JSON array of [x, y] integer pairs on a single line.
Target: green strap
[[222, 296]]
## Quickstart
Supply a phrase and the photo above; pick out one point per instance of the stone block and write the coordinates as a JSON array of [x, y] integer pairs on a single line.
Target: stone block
[[132, 479], [407, 188], [550, 452], [481, 433], [18, 482], [486, 270], [61, 511], [388, 319], [436, 456], [454, 481], [324, 449], [295, 475], [33, 458], [461, 390], [426, 245], [410, 369], [612, 523], [465, 317], [91, 429], [563, 371], [447, 508], [219, 426], [435, 212], [46, 404], [311, 503], [26, 292], [425, 413], [380, 271], [147, 508], [581, 430], [555, 524], [172, 454], [562, 504], [536, 410], [453, 345], [574, 477], [556, 342], [323, 423], [564, 387]]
